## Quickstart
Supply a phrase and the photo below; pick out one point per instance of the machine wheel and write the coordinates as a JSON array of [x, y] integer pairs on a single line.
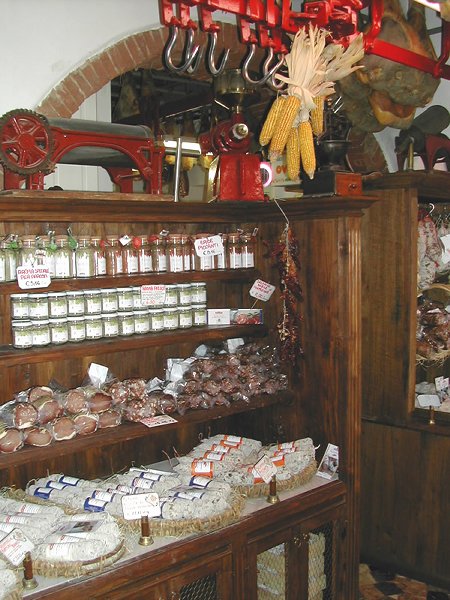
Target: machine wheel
[[26, 142]]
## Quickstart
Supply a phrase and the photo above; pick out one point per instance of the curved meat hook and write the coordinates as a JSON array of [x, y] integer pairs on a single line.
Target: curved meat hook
[[272, 82], [267, 74], [210, 56], [191, 52]]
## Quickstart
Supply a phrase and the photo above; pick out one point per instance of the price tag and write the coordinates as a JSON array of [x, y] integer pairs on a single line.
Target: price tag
[[262, 290], [97, 374], [426, 400], [125, 240], [33, 277], [157, 421], [209, 246], [265, 468], [441, 383], [15, 545], [445, 239], [329, 464], [80, 529], [141, 505], [153, 295]]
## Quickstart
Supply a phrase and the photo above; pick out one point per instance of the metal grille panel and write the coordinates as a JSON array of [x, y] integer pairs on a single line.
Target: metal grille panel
[[320, 563], [201, 589], [272, 568]]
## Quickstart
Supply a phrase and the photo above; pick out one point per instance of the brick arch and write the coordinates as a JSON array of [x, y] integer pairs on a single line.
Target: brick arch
[[138, 50]]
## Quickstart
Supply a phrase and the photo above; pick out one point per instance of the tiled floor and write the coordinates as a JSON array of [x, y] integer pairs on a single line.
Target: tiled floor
[[379, 585]]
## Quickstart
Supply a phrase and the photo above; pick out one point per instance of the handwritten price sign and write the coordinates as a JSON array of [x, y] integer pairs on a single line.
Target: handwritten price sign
[[153, 295], [209, 246], [262, 290], [33, 277]]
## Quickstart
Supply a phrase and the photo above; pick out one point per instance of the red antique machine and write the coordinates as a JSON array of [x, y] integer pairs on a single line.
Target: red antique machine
[[31, 145]]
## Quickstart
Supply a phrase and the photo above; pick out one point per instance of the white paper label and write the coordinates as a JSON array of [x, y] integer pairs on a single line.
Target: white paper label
[[140, 505], [33, 277], [97, 374], [153, 295], [330, 462], [209, 246], [15, 545], [157, 421], [445, 258], [441, 383], [426, 400], [265, 468], [262, 290]]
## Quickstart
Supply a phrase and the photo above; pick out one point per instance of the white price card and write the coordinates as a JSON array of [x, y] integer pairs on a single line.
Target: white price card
[[262, 290], [445, 258], [97, 374], [33, 277], [441, 383], [265, 468], [426, 400], [15, 545], [209, 246], [81, 529], [157, 421], [329, 464], [140, 505], [153, 295]]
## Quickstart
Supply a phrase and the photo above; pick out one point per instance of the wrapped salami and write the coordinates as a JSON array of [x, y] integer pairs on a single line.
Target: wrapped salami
[[19, 414], [11, 439], [85, 423], [109, 418], [48, 409], [74, 401], [63, 428], [99, 402], [37, 436]]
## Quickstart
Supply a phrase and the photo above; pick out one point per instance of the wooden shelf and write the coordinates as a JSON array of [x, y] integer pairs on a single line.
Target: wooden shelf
[[11, 356], [132, 431]]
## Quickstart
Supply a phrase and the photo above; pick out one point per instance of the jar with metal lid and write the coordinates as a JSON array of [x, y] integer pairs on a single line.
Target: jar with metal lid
[[184, 294], [137, 299], [198, 292], [47, 247], [113, 254], [158, 250], [22, 334], [57, 304], [199, 315], [141, 321], [130, 258], [170, 317], [144, 255], [41, 332], [27, 251], [75, 303], [203, 262], [84, 258], [8, 262], [63, 257], [126, 323], [59, 331], [185, 318], [248, 244], [77, 329], [220, 260], [171, 298], [234, 251], [94, 326], [156, 318], [110, 302], [19, 306], [37, 306], [110, 324], [174, 253], [92, 302], [125, 298], [98, 251]]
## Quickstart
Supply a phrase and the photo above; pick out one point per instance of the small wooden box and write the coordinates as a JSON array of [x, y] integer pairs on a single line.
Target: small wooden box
[[341, 183]]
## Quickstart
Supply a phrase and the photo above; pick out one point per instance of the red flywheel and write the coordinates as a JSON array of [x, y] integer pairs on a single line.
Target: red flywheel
[[26, 142]]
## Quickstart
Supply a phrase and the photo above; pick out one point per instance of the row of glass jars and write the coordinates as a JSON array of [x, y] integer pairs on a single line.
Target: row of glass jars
[[97, 301], [35, 333], [86, 256]]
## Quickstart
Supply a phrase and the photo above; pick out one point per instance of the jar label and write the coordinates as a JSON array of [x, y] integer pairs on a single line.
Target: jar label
[[145, 262], [176, 263], [41, 338], [110, 328], [83, 265], [59, 335], [248, 259], [126, 328], [185, 320], [23, 339], [2, 269], [93, 305], [94, 329], [235, 259], [62, 266]]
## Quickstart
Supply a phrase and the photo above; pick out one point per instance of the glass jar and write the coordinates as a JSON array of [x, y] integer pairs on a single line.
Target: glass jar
[[84, 258], [174, 253], [92, 302], [156, 318], [170, 318], [144, 255], [141, 321], [110, 324], [22, 334], [94, 326], [27, 251], [63, 257], [75, 303], [171, 298], [8, 262], [158, 250], [41, 332], [248, 244], [184, 294], [185, 317], [198, 292], [203, 263], [113, 254], [98, 251], [57, 304], [186, 243], [125, 298], [110, 303], [59, 332], [130, 258], [47, 246], [234, 254], [137, 299], [37, 306], [77, 329], [19, 306], [220, 260], [199, 315], [126, 323]]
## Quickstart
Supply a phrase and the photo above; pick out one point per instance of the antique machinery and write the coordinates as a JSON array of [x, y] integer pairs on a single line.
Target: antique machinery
[[31, 145]]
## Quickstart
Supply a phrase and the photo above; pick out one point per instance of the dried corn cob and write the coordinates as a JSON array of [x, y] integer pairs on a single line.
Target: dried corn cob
[[269, 124], [293, 154], [307, 153], [317, 115], [187, 162], [170, 159], [283, 126]]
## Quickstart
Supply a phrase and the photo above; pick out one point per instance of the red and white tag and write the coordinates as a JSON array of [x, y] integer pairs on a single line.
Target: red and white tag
[[261, 290], [208, 246], [33, 277], [14, 546], [153, 295], [265, 468], [157, 421]]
